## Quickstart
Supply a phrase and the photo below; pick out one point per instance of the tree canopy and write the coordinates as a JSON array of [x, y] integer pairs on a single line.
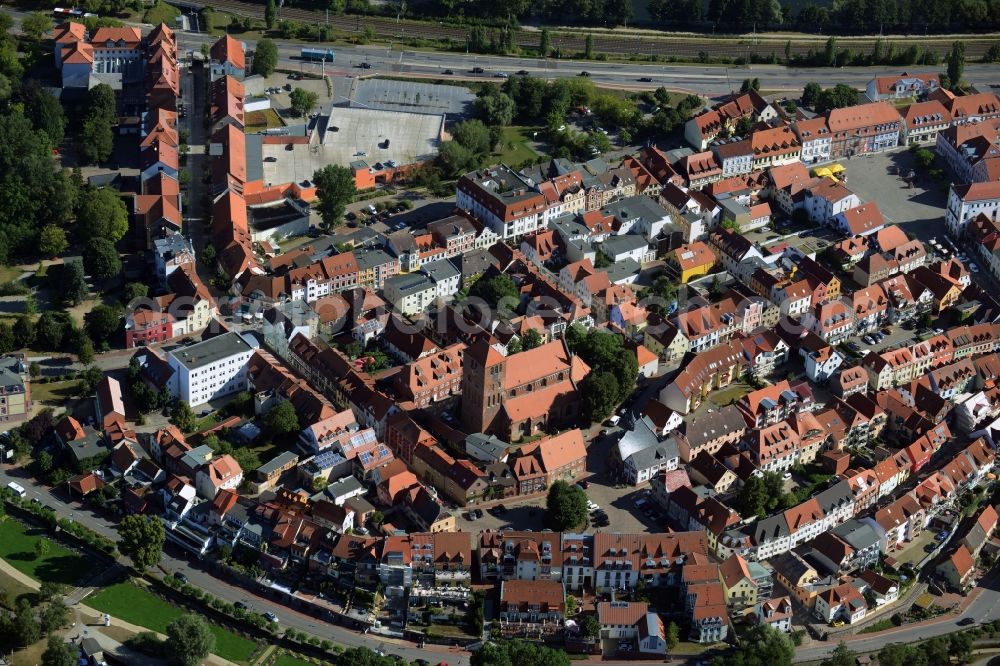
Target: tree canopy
[[35, 193], [335, 189], [518, 653], [189, 640], [566, 506], [281, 419], [141, 539], [303, 101], [762, 645], [101, 259], [496, 290], [265, 58], [605, 354]]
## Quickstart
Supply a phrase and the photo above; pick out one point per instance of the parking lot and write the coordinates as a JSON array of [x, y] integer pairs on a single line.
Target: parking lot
[[919, 211]]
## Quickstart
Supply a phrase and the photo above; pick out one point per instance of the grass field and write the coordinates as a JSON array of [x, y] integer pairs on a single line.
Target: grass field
[[57, 565], [133, 604], [55, 392], [8, 273], [514, 147], [12, 589], [161, 12], [729, 395]]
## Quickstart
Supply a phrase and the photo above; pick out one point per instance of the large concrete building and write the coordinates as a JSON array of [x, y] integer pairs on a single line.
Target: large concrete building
[[211, 369]]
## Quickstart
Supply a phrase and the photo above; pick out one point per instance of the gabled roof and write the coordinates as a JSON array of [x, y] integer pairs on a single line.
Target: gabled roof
[[227, 49]]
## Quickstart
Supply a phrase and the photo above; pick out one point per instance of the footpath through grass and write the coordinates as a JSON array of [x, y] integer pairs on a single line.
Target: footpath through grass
[[57, 564], [133, 604]]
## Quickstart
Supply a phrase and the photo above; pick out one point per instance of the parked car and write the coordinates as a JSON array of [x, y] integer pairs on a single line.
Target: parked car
[[585, 73], [645, 79], [478, 70], [240, 605], [365, 65], [181, 577], [500, 75], [448, 72], [522, 72], [966, 621], [271, 617]]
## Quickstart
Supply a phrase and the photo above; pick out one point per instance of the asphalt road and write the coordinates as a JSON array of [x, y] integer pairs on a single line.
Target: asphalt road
[[709, 81]]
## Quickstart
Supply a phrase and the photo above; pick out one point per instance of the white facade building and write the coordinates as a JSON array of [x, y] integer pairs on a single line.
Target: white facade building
[[211, 369]]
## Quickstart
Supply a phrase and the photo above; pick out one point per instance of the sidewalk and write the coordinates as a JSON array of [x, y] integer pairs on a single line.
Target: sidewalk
[[96, 628]]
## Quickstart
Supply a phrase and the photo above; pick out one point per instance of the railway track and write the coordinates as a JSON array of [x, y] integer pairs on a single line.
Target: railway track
[[618, 44]]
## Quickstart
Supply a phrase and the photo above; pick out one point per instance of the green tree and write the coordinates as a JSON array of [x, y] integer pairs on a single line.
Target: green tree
[[24, 627], [590, 627], [189, 640], [54, 616], [96, 140], [58, 653], [473, 135], [566, 506], [334, 190], [52, 241], [673, 636], [588, 47], [24, 332], [531, 339], [282, 420], [545, 44], [101, 103], [182, 416], [74, 283], [841, 656], [992, 54], [101, 213], [103, 321], [101, 259], [82, 346], [45, 112], [35, 25], [511, 653], [303, 101], [270, 14], [141, 539], [7, 343], [51, 329], [956, 64], [35, 193], [762, 645], [47, 590], [599, 391], [752, 499], [830, 52], [497, 290], [496, 108], [811, 93], [42, 547], [265, 58], [134, 290]]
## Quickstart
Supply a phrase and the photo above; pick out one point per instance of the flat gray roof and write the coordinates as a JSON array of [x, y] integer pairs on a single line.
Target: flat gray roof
[[410, 283], [212, 350], [440, 270], [414, 97]]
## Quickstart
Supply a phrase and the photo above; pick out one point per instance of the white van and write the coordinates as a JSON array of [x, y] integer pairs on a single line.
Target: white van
[[21, 492]]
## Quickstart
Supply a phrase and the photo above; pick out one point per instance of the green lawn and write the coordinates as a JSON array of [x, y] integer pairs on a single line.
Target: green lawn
[[133, 604], [161, 12], [729, 395], [55, 392], [262, 120], [514, 149], [58, 565], [9, 273]]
